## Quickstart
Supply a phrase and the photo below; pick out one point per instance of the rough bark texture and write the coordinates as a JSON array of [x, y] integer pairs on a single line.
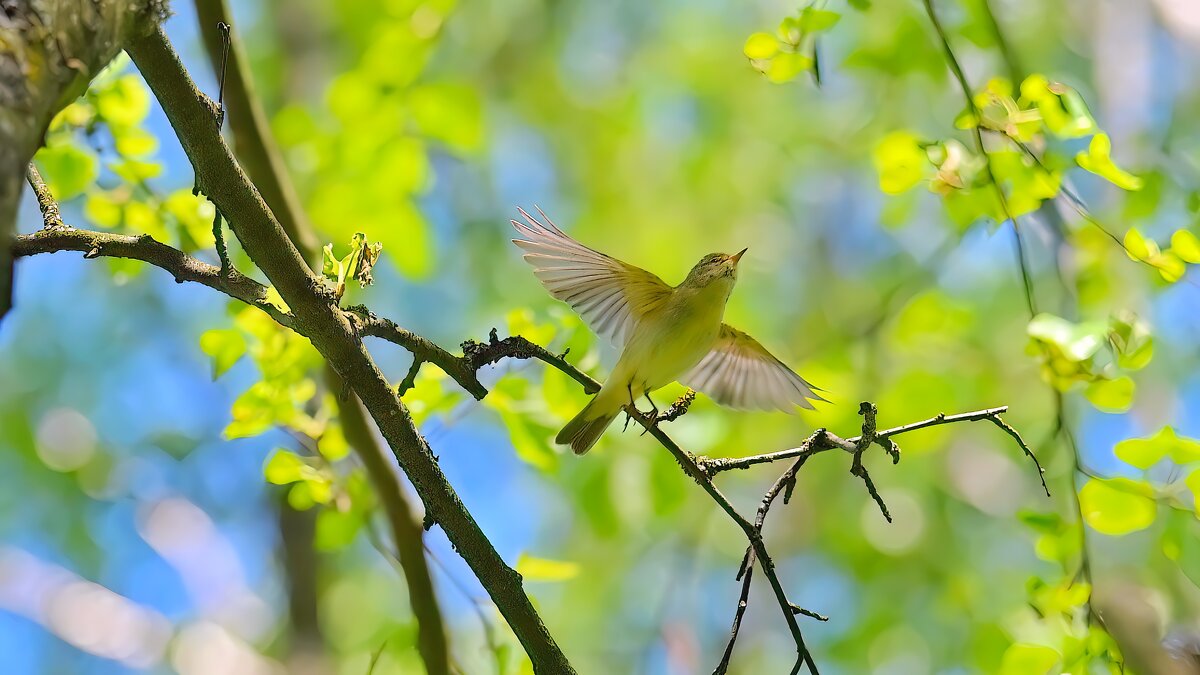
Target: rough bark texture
[[49, 51]]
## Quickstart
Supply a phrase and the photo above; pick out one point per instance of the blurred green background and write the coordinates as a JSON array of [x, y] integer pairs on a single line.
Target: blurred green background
[[148, 511]]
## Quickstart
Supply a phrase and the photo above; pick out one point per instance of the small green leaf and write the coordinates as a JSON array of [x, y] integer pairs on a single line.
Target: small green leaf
[[761, 46], [1193, 483], [336, 529], [1181, 449], [1111, 396], [194, 215], [225, 346], [136, 171], [900, 161], [329, 262], [1078, 342], [531, 441], [1027, 659], [68, 169], [1117, 506], [102, 209], [1186, 245], [1141, 452], [814, 20], [1169, 266], [786, 66], [285, 467], [1098, 160], [1131, 341], [124, 102], [542, 569], [135, 142], [1137, 247]]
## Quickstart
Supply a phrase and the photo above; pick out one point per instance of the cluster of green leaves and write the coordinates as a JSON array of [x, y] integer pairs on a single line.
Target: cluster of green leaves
[[1171, 262], [1062, 604], [792, 49], [1098, 354], [371, 181], [286, 397], [356, 264], [100, 140], [1041, 115], [286, 394], [1119, 506]]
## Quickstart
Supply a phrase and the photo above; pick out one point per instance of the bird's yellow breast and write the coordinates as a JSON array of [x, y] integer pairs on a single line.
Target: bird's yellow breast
[[669, 342]]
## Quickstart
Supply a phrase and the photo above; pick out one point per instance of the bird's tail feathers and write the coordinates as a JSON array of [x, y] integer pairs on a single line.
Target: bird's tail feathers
[[582, 432]]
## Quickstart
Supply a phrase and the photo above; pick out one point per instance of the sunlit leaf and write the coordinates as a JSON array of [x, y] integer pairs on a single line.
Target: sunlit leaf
[[224, 346], [336, 529], [1112, 396], [1077, 341], [285, 467], [761, 46], [813, 20], [1186, 245], [1137, 247], [123, 103], [1193, 483], [194, 214], [1098, 160], [1027, 659], [900, 161], [136, 171], [785, 66], [543, 569], [68, 169], [102, 209], [1117, 506]]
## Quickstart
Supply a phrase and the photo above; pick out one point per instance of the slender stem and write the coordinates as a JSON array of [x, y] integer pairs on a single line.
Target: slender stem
[[51, 217], [145, 248], [1015, 73], [976, 133]]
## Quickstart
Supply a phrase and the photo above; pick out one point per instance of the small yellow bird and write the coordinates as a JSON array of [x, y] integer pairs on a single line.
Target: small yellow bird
[[666, 333]]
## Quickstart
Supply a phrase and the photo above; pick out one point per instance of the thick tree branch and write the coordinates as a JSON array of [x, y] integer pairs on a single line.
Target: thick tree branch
[[145, 248], [333, 334], [256, 150]]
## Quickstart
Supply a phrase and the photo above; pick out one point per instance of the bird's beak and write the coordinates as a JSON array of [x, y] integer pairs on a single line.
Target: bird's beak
[[738, 256]]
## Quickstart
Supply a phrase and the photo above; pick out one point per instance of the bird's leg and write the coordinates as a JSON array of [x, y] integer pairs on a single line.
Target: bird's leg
[[629, 416], [653, 413]]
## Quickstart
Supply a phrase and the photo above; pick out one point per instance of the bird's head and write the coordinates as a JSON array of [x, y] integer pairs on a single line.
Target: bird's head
[[714, 268]]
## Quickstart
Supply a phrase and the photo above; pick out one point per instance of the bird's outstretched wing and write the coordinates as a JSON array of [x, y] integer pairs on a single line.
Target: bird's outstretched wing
[[610, 295], [740, 373]]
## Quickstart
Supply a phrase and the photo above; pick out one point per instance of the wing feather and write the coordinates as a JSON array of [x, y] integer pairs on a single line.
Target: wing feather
[[739, 372], [611, 296]]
